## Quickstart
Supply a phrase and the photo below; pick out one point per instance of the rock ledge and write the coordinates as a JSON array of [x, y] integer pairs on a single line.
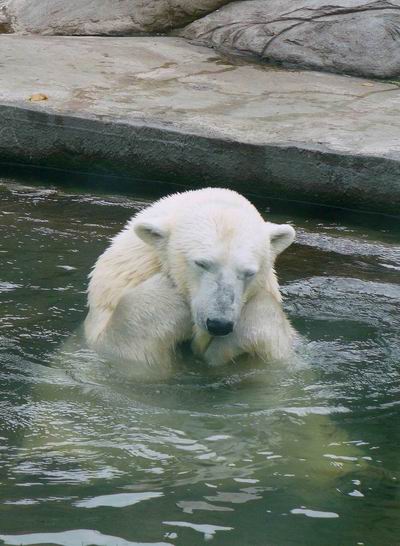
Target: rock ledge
[[158, 108]]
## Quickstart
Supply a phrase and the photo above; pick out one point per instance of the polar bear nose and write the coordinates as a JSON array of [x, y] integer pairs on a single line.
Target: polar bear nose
[[219, 327]]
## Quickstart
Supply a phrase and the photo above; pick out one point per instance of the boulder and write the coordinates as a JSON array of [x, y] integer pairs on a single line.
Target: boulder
[[100, 17], [358, 37]]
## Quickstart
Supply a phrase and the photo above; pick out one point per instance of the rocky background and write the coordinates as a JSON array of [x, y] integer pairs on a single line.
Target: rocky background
[[102, 17], [356, 37]]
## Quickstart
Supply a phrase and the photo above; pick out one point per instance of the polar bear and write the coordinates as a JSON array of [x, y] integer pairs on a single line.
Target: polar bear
[[196, 265]]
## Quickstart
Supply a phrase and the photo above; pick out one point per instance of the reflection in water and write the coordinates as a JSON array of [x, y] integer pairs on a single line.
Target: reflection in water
[[78, 537], [304, 453]]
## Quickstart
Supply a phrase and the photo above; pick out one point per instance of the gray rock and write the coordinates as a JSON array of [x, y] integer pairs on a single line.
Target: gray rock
[[358, 37], [158, 108], [100, 17]]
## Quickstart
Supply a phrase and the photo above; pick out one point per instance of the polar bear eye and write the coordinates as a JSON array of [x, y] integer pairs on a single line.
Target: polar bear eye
[[249, 273], [203, 264]]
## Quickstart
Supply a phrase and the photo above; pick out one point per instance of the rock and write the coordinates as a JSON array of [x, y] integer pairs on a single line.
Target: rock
[[158, 108], [100, 17], [358, 37], [5, 24]]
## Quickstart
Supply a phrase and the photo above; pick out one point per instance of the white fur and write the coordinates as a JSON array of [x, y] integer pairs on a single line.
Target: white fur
[[192, 256]]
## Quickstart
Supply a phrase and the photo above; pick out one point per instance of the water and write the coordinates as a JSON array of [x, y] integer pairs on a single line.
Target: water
[[303, 455]]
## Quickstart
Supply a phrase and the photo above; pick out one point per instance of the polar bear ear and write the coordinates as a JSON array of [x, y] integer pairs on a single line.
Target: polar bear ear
[[152, 233], [281, 236]]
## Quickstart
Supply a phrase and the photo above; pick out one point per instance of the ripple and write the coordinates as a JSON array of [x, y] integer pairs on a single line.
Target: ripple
[[233, 497], [207, 530], [9, 286], [189, 507], [314, 513], [76, 537], [118, 500], [348, 246]]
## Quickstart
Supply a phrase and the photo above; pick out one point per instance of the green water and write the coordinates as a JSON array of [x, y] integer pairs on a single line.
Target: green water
[[304, 454]]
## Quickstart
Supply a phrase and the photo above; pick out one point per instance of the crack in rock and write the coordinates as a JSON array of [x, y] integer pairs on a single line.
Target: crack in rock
[[354, 37]]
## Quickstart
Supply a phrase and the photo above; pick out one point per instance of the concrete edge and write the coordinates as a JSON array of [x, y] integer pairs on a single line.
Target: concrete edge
[[151, 151]]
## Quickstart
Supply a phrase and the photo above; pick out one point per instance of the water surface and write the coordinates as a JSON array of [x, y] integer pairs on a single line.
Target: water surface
[[304, 455]]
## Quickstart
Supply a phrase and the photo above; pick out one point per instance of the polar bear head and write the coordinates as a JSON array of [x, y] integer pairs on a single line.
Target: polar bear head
[[218, 254]]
